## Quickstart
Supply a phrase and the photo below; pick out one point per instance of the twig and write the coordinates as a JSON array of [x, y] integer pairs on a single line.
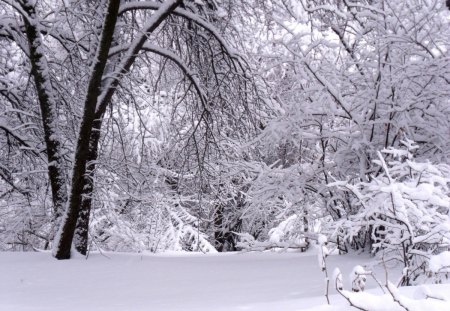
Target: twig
[[395, 297], [99, 250]]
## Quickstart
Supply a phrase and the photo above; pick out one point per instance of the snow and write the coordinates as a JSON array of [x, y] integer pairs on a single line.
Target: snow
[[221, 12], [322, 239], [337, 277], [176, 281], [191, 16], [440, 263], [233, 281], [358, 277]]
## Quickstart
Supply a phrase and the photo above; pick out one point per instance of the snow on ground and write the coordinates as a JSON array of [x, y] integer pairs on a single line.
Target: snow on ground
[[226, 282]]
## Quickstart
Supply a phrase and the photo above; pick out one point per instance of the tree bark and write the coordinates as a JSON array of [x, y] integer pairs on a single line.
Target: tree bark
[[40, 73], [219, 238], [63, 241], [82, 227], [81, 214]]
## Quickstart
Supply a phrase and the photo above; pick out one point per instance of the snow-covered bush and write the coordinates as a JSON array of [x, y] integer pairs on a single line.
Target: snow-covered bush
[[358, 278], [291, 231], [392, 299], [288, 234], [154, 225], [439, 266], [404, 210]]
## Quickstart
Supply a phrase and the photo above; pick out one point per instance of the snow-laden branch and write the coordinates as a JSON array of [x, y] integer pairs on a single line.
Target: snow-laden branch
[[174, 58], [324, 7], [7, 176], [150, 5], [22, 140], [128, 59], [21, 7], [331, 90], [63, 241], [10, 30]]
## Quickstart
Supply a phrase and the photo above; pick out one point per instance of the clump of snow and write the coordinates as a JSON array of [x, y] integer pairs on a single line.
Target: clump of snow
[[323, 251], [440, 263], [322, 239], [337, 277], [221, 13], [358, 278]]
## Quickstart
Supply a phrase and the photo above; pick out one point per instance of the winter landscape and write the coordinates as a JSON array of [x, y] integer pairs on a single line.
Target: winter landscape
[[225, 155]]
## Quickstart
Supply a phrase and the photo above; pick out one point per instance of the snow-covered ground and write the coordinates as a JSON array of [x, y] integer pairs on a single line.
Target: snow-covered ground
[[231, 281]]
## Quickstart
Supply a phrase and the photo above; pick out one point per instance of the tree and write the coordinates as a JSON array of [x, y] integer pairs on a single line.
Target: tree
[[344, 76], [403, 212], [106, 55], [164, 118]]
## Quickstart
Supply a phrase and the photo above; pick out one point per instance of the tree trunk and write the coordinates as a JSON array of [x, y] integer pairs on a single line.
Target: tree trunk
[[81, 237], [82, 227], [219, 239], [40, 73], [63, 242]]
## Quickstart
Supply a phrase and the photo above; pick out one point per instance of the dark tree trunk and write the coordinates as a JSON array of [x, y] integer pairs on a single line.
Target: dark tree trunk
[[219, 238], [223, 233], [82, 213], [81, 238], [68, 225], [63, 243], [82, 228], [40, 74]]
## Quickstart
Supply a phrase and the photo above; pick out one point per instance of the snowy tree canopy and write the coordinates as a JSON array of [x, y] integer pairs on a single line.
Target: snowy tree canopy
[[221, 125]]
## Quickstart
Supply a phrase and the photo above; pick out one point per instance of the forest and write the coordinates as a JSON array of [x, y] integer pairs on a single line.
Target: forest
[[220, 126]]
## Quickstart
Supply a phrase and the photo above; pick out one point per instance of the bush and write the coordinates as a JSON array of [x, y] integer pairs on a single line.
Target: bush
[[404, 210]]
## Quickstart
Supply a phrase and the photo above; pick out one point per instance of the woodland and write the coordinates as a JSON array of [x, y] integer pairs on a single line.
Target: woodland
[[221, 125]]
